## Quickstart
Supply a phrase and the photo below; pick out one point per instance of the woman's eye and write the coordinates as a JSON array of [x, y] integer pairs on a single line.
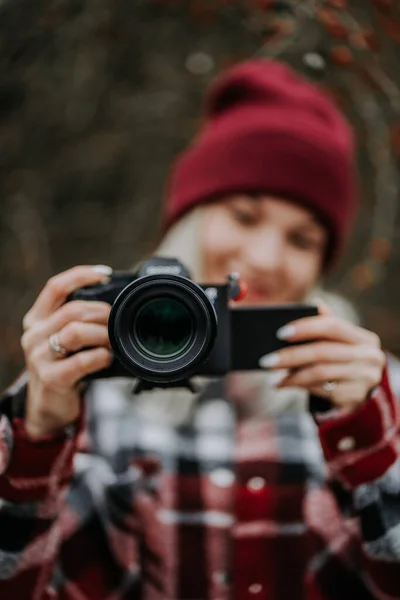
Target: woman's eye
[[304, 242], [243, 217]]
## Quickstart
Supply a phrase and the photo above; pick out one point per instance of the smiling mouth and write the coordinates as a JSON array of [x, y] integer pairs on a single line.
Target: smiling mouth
[[257, 296]]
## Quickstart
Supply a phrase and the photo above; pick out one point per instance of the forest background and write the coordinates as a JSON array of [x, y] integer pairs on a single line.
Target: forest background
[[98, 96]]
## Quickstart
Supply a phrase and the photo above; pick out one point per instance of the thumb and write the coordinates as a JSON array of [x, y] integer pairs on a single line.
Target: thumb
[[323, 308]]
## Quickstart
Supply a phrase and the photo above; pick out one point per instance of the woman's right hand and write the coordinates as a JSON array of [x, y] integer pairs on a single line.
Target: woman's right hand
[[53, 396]]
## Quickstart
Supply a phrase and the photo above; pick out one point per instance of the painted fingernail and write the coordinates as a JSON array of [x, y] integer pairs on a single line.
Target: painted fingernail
[[286, 332], [103, 269], [269, 360], [276, 377]]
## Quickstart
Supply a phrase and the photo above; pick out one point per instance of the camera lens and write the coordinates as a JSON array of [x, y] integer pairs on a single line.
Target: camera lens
[[163, 327]]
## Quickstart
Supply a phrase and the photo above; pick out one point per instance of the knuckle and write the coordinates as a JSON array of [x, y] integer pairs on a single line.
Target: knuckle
[[34, 358], [31, 340], [71, 333], [25, 342], [98, 311], [81, 361], [27, 321], [68, 375], [107, 357], [106, 308], [381, 358], [320, 372], [73, 311], [45, 375], [101, 358], [99, 355], [55, 286], [375, 339], [373, 378], [375, 355], [90, 361], [376, 374]]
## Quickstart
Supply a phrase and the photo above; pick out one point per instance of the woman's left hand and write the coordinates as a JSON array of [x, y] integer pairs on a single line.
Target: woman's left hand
[[340, 362]]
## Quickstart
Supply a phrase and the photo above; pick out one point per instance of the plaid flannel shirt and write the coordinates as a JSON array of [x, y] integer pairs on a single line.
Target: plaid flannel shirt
[[290, 508]]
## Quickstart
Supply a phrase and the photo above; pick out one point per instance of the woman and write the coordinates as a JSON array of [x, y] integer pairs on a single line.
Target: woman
[[239, 490]]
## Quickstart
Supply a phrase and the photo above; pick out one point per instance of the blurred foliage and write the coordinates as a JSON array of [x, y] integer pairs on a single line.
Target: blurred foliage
[[98, 96]]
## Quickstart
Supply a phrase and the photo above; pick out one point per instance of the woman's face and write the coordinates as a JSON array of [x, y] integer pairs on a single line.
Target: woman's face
[[277, 247]]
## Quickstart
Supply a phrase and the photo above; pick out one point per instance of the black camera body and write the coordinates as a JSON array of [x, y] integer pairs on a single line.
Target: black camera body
[[164, 328]]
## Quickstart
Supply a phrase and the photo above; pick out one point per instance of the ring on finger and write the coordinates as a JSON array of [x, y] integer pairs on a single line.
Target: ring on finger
[[329, 387], [56, 346]]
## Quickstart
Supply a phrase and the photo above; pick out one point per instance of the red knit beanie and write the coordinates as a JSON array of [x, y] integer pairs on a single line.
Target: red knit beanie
[[267, 130]]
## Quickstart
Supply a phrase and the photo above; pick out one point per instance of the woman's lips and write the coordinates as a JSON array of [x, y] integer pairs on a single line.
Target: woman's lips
[[258, 295]]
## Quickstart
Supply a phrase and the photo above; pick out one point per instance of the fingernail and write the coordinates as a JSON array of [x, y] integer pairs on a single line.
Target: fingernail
[[286, 332], [103, 269], [269, 360], [276, 377]]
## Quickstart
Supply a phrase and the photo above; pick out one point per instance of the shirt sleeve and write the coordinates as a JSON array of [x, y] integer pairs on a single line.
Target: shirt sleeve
[[63, 525], [362, 450]]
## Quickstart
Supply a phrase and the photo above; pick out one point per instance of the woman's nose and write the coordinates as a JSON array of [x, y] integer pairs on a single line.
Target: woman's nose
[[266, 253]]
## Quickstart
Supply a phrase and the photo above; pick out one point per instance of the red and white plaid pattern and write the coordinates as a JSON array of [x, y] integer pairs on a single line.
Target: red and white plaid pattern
[[210, 509]]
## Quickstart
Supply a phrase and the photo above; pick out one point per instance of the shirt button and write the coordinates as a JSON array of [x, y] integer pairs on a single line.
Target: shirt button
[[255, 588], [346, 443], [255, 484], [222, 477]]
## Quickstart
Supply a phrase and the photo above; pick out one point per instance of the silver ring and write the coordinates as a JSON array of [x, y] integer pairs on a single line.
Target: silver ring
[[55, 345], [329, 386]]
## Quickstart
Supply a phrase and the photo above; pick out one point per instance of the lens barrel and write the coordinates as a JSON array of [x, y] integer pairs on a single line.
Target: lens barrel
[[162, 327]]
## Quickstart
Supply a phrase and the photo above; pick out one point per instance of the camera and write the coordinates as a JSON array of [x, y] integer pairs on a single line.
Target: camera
[[164, 328]]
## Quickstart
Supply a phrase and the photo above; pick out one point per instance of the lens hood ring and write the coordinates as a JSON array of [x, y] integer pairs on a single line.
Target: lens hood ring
[[125, 343]]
